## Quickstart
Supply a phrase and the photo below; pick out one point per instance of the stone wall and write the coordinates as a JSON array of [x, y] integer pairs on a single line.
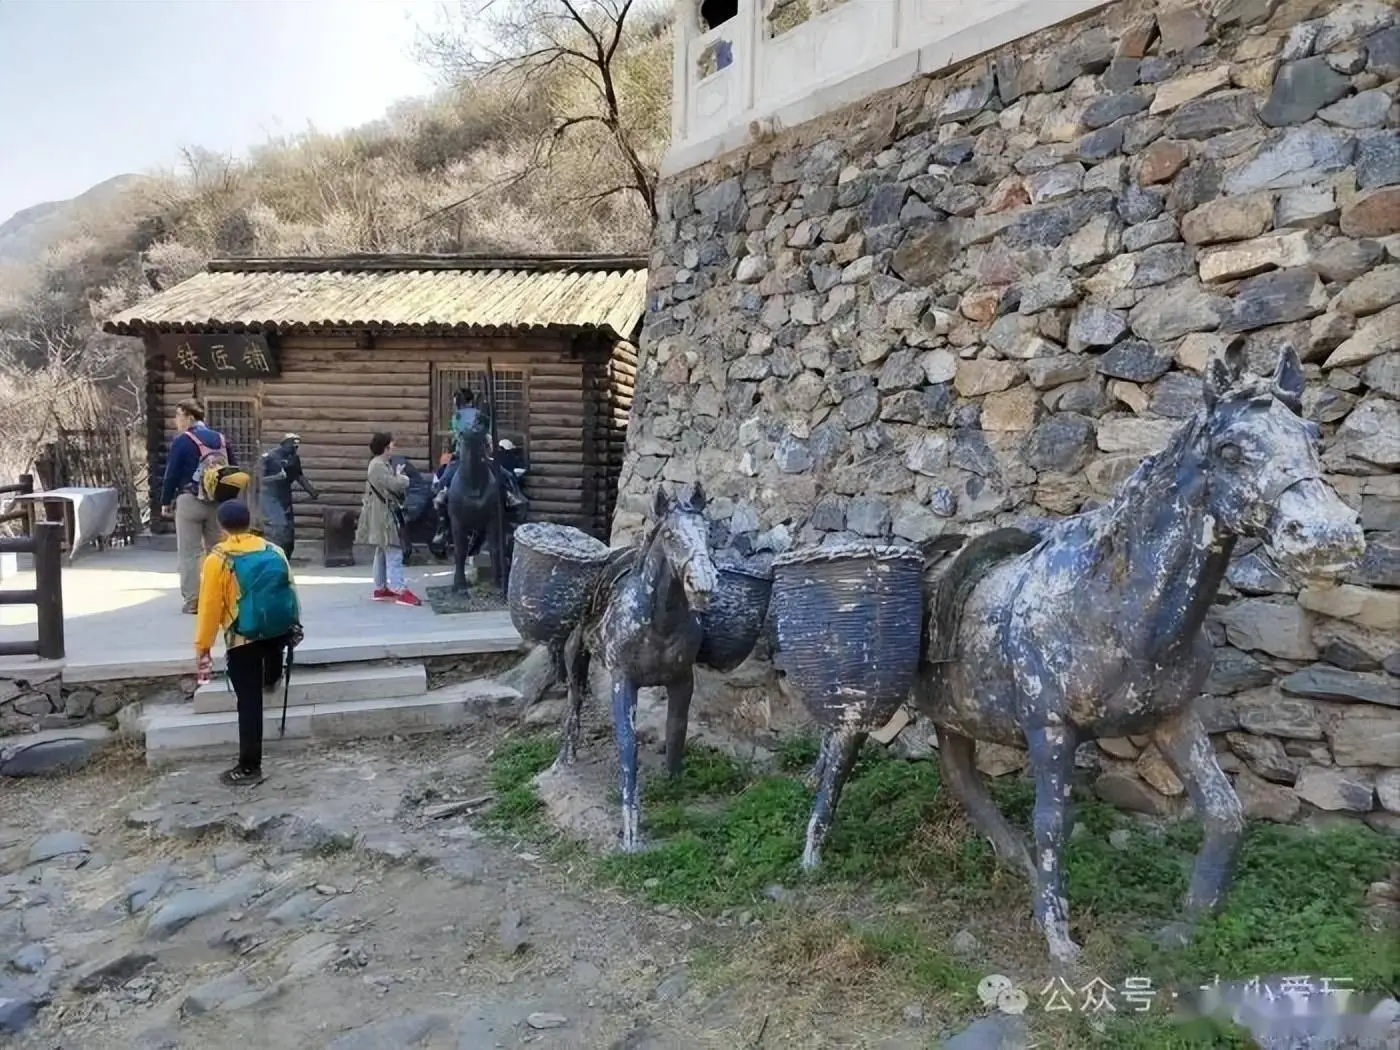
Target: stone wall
[[44, 702], [987, 295]]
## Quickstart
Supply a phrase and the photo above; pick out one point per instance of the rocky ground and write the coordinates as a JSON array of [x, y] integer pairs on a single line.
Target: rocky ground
[[372, 896], [347, 902]]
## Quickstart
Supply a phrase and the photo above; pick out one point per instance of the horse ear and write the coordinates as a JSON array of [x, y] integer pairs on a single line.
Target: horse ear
[[662, 503], [1223, 371], [1288, 379]]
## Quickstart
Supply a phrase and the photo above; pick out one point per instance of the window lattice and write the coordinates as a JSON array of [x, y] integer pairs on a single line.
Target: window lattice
[[512, 404], [237, 420]]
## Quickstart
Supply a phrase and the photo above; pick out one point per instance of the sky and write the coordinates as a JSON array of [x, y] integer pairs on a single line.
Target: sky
[[90, 89]]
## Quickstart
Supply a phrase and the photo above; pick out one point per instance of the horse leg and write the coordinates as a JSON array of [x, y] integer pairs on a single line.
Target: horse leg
[[624, 698], [813, 780], [459, 555], [1186, 746], [576, 660], [678, 696], [1052, 765], [841, 748], [957, 758]]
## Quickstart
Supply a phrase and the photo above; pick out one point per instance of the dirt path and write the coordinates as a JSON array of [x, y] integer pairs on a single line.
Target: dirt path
[[366, 897], [325, 909]]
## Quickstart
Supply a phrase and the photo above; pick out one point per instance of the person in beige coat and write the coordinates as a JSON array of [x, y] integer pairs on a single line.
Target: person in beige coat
[[381, 522]]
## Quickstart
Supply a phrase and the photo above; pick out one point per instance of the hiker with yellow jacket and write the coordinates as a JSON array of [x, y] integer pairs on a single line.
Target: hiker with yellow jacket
[[246, 589]]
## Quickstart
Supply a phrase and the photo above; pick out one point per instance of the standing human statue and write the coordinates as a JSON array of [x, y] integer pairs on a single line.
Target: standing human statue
[[281, 470]]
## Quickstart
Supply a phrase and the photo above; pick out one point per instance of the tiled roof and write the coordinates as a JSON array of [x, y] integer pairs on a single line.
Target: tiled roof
[[414, 292]]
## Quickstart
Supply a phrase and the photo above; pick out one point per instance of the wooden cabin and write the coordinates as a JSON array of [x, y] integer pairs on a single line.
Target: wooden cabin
[[334, 349]]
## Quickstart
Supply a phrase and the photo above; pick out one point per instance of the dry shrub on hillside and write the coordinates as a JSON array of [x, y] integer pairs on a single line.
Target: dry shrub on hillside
[[550, 145]]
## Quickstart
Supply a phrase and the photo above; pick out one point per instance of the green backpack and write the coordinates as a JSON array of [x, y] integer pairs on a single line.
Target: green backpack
[[267, 604]]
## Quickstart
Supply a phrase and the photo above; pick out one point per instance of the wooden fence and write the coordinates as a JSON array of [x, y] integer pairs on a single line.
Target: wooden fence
[[46, 547]]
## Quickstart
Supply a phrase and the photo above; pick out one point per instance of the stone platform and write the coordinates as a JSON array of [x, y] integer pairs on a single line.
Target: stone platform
[[123, 621], [359, 673]]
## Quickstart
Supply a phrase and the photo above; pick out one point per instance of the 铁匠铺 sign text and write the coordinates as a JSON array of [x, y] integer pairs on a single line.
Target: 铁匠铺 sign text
[[243, 355]]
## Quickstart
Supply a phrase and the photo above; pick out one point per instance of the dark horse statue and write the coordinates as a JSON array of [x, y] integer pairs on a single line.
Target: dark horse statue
[[642, 620], [473, 507], [1094, 628]]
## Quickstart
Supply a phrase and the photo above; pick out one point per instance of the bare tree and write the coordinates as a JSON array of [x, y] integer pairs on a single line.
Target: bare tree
[[556, 45]]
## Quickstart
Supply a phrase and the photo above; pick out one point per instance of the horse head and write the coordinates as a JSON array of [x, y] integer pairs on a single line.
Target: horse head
[[683, 534], [1265, 475], [471, 446]]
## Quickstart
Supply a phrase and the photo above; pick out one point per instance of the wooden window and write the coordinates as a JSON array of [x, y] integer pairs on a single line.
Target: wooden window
[[237, 419], [512, 404]]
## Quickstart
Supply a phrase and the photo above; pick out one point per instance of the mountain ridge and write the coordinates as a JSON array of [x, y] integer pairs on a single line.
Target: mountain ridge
[[28, 232]]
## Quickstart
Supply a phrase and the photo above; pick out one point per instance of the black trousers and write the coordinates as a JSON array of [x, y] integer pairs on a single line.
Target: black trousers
[[253, 667]]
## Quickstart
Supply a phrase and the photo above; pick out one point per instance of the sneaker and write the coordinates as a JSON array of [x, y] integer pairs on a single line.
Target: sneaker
[[240, 777], [408, 598], [191, 607], [384, 594]]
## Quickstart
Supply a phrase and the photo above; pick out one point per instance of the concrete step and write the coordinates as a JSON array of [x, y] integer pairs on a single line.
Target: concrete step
[[321, 685], [178, 733], [496, 635]]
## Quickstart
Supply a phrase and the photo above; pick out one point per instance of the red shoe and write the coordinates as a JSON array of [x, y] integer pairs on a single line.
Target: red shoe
[[407, 597], [383, 594]]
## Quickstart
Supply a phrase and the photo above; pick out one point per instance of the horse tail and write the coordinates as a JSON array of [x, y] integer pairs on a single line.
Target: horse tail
[[949, 591]]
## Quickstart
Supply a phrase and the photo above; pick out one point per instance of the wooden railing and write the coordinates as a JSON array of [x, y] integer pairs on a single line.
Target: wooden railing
[[46, 547], [23, 487]]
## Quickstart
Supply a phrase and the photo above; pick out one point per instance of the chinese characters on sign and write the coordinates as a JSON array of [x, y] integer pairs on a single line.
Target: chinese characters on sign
[[232, 356], [1136, 994]]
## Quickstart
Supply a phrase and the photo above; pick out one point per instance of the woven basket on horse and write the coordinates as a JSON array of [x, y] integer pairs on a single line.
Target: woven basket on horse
[[736, 613], [553, 570], [848, 621]]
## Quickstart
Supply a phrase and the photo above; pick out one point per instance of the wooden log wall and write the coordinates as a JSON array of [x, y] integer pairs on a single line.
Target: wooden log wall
[[621, 384], [336, 393]]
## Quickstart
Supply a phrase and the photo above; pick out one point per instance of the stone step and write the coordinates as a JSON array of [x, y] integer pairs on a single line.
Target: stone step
[[321, 685], [178, 733]]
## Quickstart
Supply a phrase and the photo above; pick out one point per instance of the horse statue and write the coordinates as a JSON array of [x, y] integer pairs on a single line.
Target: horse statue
[[642, 619], [473, 507], [1093, 628]]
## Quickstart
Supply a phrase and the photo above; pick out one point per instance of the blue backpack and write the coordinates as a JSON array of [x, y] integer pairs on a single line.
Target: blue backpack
[[267, 605]]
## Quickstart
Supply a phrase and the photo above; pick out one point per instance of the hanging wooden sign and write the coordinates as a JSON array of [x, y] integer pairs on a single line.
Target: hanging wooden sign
[[242, 355]]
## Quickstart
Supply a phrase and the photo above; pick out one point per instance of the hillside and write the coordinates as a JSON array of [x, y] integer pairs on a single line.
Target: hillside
[[26, 233], [519, 155]]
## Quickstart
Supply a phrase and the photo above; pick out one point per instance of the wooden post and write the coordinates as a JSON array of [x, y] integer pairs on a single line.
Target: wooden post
[[498, 557], [48, 587]]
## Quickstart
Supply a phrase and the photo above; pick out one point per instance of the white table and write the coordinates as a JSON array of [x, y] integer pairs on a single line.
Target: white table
[[89, 514]]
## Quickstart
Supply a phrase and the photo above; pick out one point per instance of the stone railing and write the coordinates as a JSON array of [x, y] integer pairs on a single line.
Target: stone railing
[[777, 63]]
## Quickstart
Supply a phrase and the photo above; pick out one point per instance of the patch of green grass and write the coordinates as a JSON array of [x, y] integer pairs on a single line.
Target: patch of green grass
[[722, 833], [517, 808]]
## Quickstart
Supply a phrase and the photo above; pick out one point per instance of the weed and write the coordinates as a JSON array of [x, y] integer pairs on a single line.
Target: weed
[[722, 834], [517, 808]]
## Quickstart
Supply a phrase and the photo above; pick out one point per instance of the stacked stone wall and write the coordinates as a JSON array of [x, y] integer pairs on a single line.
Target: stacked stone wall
[[986, 295], [42, 701]]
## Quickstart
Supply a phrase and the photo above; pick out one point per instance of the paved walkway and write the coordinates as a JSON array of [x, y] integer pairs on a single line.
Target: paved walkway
[[122, 606]]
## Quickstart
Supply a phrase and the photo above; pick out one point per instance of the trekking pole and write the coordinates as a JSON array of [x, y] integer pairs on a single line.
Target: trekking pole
[[286, 685]]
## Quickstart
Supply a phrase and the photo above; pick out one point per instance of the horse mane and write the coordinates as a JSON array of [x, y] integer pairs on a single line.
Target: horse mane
[[619, 562], [948, 591]]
